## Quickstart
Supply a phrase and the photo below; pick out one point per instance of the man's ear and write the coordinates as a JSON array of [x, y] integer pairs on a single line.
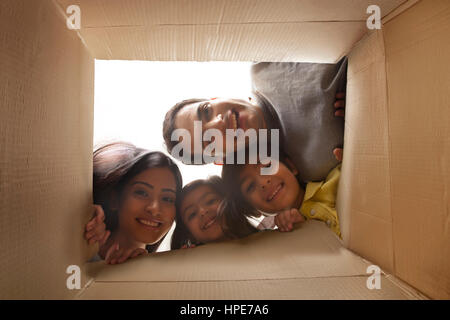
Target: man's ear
[[291, 166]]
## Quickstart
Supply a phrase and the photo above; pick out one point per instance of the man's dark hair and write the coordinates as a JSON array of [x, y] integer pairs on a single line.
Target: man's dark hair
[[169, 121]]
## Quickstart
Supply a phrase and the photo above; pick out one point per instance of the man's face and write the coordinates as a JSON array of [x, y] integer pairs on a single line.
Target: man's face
[[220, 114]]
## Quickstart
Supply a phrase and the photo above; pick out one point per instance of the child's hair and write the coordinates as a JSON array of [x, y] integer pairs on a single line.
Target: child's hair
[[115, 164], [232, 226]]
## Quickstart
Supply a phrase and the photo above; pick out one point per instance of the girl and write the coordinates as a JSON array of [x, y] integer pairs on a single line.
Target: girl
[[137, 189], [282, 195], [200, 217]]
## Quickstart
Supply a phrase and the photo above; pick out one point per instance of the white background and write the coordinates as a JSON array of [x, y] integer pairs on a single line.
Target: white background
[[132, 98]]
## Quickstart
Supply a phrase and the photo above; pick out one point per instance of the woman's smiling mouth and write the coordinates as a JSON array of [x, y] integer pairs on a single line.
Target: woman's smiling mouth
[[149, 223]]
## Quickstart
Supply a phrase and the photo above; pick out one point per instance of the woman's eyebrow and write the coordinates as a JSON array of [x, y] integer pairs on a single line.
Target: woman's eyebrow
[[151, 186], [144, 183]]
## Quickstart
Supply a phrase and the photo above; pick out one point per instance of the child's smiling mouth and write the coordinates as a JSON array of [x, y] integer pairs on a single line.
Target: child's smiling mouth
[[209, 222], [275, 192]]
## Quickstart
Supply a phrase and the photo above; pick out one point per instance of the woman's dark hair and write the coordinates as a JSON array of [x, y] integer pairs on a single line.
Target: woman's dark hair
[[232, 226], [115, 164]]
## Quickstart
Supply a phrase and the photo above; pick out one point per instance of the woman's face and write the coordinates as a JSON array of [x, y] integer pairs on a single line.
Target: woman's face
[[147, 205], [270, 193], [199, 212]]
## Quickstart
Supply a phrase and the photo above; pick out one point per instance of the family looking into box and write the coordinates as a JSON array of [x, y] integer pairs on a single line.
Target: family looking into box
[[140, 192]]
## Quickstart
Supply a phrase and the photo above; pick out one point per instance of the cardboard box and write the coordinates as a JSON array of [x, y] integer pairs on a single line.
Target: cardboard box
[[394, 196]]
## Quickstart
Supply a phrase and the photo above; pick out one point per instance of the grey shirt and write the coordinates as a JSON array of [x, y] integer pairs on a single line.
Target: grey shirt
[[303, 96]]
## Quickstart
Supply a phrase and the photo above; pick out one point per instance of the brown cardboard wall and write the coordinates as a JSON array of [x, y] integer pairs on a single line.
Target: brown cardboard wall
[[364, 190], [394, 200], [46, 92], [394, 195], [224, 30], [307, 263], [417, 59]]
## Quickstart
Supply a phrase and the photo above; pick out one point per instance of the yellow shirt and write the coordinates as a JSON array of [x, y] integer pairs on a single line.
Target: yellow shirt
[[319, 201]]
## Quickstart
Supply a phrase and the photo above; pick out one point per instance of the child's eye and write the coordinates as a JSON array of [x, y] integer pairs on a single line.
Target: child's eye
[[169, 199], [191, 216], [250, 187], [141, 192], [211, 201]]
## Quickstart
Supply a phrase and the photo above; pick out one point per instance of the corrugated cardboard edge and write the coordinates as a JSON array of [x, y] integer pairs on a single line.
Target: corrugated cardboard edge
[[82, 291], [399, 10], [409, 291], [366, 216]]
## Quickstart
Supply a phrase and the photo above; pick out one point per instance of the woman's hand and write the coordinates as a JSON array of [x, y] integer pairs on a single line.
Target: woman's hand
[[286, 219], [116, 255], [96, 229]]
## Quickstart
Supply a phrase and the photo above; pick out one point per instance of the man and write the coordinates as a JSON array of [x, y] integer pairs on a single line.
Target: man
[[299, 99]]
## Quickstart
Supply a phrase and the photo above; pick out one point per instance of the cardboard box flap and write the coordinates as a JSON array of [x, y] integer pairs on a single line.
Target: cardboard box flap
[[309, 31], [138, 13], [418, 69], [47, 97], [394, 189], [310, 251], [308, 263], [366, 214]]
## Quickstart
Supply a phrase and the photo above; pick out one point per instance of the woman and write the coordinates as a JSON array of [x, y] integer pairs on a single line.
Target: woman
[[137, 190]]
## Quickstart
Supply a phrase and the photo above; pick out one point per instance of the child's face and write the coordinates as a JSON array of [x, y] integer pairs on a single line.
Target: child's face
[[147, 205], [199, 212], [270, 193]]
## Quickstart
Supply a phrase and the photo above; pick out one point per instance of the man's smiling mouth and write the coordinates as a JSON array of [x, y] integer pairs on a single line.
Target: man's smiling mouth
[[234, 119]]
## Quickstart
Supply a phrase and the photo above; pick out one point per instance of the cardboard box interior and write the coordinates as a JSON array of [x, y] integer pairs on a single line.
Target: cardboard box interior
[[393, 199]]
